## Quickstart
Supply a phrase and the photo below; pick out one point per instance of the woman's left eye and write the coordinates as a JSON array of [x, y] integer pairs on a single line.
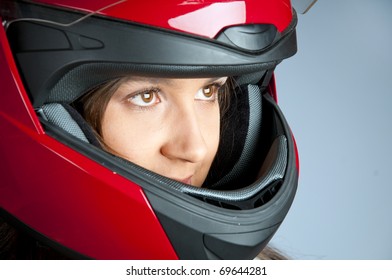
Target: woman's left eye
[[208, 93]]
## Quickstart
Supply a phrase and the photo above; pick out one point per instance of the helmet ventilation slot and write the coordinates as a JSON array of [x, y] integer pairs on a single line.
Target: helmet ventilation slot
[[256, 201]]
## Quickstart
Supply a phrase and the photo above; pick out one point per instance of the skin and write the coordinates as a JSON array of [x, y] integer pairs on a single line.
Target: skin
[[169, 126]]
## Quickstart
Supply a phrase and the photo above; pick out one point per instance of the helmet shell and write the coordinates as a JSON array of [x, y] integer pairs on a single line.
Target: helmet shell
[[83, 207], [199, 17]]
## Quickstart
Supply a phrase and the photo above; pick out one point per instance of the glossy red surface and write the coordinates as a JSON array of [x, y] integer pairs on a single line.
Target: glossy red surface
[[200, 17], [63, 194], [67, 196]]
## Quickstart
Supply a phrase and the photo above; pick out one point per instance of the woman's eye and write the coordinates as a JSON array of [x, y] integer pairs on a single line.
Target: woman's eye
[[144, 99], [208, 93]]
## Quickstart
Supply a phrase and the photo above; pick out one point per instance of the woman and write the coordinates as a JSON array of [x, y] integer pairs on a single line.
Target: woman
[[177, 120], [138, 150]]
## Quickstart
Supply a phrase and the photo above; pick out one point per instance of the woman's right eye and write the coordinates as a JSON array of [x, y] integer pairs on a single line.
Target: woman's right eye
[[145, 98]]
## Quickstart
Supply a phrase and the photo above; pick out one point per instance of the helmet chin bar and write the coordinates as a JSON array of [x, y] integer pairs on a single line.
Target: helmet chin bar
[[260, 192]]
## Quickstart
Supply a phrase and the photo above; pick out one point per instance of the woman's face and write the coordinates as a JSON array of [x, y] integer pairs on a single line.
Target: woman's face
[[169, 126]]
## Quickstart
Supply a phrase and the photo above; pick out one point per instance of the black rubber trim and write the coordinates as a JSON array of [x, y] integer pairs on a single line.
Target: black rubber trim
[[60, 249], [98, 41]]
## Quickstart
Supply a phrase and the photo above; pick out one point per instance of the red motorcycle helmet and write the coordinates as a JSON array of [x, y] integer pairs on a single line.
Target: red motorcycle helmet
[[58, 185]]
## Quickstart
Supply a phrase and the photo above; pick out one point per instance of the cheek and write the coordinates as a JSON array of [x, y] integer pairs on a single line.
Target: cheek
[[210, 123], [126, 135]]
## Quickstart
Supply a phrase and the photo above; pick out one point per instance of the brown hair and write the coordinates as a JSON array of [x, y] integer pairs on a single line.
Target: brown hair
[[15, 244], [93, 104], [270, 253]]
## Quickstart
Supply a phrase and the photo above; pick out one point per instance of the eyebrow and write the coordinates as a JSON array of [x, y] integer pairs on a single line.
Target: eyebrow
[[168, 81], [219, 79]]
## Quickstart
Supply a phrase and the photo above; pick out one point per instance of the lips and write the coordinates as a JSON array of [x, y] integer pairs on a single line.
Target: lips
[[187, 180]]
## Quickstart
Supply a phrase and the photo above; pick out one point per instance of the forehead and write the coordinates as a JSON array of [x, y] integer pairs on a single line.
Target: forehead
[[172, 81]]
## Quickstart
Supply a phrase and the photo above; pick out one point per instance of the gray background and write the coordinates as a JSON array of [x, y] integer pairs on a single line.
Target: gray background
[[336, 95]]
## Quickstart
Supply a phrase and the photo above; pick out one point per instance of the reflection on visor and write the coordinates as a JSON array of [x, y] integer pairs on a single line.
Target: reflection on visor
[[303, 6]]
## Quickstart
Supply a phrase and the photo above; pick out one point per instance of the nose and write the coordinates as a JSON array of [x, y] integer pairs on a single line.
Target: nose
[[185, 140]]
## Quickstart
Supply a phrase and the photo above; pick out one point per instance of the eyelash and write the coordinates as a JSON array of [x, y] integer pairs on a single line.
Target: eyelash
[[155, 91], [217, 90]]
